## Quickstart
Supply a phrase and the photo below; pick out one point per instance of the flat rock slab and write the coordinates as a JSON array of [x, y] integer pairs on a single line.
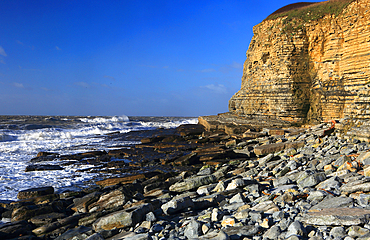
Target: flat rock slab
[[31, 168], [337, 217], [120, 180], [276, 147], [335, 202], [35, 192]]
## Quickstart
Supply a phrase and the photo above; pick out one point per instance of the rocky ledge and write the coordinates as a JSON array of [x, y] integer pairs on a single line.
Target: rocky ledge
[[274, 183]]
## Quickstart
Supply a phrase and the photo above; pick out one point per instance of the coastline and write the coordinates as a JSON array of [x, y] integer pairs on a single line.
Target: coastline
[[194, 183]]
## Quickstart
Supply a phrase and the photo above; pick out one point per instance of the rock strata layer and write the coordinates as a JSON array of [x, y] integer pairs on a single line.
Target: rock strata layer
[[308, 70]]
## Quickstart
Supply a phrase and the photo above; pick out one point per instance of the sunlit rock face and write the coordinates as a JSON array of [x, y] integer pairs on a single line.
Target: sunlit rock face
[[307, 71]]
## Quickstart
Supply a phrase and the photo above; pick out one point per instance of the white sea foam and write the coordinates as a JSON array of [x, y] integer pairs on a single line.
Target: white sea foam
[[105, 120], [18, 147]]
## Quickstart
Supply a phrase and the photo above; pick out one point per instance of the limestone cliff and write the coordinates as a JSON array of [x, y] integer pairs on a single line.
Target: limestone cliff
[[308, 70]]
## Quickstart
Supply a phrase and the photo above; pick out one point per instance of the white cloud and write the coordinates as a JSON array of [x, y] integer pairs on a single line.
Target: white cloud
[[110, 77], [148, 66], [18, 85], [2, 51], [57, 48], [207, 70], [236, 65], [19, 42], [82, 84], [219, 88], [2, 61], [46, 89]]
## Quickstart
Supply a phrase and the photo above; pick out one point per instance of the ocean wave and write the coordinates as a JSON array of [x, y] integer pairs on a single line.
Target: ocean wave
[[75, 136], [122, 118], [5, 137], [168, 124]]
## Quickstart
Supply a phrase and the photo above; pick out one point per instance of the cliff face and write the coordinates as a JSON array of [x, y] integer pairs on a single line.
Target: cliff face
[[306, 71]]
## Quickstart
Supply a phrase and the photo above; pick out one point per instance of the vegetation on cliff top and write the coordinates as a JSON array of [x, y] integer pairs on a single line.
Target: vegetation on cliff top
[[307, 11]]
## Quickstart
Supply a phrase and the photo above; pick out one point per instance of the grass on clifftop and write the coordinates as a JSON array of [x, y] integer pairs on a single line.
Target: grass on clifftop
[[307, 11]]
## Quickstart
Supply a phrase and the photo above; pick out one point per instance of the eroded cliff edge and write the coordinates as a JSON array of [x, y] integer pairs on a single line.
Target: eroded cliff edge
[[308, 70]]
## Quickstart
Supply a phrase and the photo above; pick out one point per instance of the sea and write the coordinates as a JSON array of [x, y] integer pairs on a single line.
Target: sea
[[23, 137]]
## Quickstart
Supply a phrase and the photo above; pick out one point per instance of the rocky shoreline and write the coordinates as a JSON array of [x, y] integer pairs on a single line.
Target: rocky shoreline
[[204, 182]]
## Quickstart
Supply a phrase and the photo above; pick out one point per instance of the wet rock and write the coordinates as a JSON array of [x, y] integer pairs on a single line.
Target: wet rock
[[69, 221], [120, 180], [81, 204], [106, 201], [190, 129], [28, 212], [15, 229], [35, 192], [31, 168], [47, 218]]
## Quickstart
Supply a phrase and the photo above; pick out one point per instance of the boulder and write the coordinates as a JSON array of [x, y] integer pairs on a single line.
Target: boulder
[[109, 200], [193, 229], [81, 204], [212, 200], [124, 218], [192, 183], [28, 212], [177, 205]]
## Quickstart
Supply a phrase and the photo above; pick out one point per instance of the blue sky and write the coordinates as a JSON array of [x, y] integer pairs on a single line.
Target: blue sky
[[137, 58]]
